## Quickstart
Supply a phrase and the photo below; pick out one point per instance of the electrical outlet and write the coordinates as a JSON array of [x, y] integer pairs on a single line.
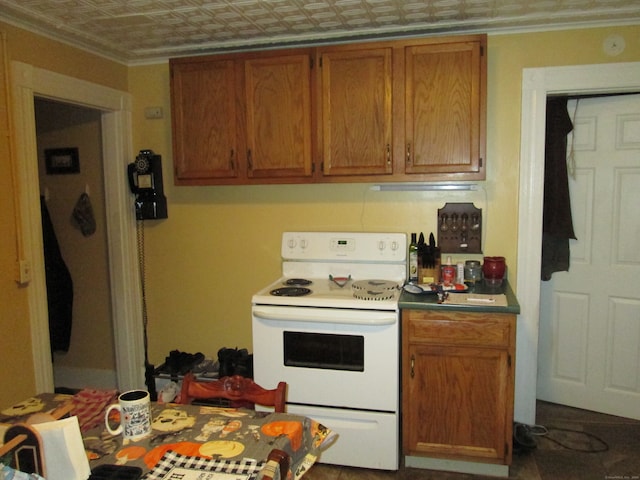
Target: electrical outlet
[[152, 113]]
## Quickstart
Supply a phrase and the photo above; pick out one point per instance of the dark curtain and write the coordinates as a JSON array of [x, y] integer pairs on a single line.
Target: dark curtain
[[59, 286], [557, 224]]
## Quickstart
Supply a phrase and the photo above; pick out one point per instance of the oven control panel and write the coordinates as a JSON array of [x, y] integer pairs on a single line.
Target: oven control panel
[[352, 246]]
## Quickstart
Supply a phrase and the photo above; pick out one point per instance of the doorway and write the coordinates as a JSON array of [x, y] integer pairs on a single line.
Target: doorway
[[28, 82], [589, 329], [75, 240], [537, 83]]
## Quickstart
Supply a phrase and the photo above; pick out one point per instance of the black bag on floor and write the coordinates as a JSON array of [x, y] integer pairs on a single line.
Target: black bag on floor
[[235, 362]]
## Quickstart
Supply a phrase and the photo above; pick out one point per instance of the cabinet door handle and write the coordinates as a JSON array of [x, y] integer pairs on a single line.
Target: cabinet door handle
[[231, 165], [388, 154], [413, 364], [408, 153], [249, 159]]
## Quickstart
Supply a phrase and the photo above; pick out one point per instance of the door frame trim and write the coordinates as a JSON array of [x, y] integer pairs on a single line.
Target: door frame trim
[[27, 83], [537, 83]]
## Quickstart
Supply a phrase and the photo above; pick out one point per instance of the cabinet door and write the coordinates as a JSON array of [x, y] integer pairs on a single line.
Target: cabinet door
[[445, 108], [457, 402], [203, 100], [356, 112], [278, 116]]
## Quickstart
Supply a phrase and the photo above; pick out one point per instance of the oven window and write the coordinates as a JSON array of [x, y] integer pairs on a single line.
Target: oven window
[[324, 350]]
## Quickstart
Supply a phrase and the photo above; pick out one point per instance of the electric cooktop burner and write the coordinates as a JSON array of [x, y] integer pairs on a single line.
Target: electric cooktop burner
[[374, 289], [291, 292], [297, 282]]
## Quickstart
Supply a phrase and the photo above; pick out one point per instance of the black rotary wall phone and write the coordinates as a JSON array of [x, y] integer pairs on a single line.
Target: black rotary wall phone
[[145, 180]]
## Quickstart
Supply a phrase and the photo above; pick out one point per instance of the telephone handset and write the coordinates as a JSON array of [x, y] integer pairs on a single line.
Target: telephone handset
[[145, 181]]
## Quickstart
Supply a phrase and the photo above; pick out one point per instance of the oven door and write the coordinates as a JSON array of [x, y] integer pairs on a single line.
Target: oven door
[[329, 357]]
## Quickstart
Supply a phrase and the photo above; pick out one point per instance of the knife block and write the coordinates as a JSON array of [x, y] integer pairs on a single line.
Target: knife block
[[429, 275]]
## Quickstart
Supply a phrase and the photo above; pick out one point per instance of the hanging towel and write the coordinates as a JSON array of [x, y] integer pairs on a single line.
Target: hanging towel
[[83, 215], [59, 286], [557, 224]]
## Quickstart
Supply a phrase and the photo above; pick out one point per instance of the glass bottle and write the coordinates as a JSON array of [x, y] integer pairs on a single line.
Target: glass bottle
[[413, 259]]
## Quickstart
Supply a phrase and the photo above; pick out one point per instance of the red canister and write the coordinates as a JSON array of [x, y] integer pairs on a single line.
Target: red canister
[[493, 269]]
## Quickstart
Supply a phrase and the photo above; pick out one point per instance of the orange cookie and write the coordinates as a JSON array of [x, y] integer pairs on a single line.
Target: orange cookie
[[291, 429]]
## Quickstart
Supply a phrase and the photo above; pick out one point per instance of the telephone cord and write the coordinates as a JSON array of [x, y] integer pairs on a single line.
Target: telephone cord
[[141, 267]]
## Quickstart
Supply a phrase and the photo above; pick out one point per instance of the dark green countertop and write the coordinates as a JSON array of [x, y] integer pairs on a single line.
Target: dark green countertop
[[429, 301]]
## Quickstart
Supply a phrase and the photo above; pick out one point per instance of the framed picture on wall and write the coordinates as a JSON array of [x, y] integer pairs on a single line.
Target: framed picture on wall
[[62, 160]]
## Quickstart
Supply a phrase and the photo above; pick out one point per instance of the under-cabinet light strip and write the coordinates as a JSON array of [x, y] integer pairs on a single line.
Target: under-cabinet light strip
[[424, 187]]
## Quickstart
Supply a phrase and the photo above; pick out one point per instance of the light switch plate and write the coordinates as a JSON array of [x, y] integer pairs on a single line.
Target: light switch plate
[[153, 113]]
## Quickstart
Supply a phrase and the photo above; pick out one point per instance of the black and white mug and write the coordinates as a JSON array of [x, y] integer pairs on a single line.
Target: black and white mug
[[135, 415]]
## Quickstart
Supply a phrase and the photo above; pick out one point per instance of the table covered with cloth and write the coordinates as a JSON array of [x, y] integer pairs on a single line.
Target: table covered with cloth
[[188, 440]]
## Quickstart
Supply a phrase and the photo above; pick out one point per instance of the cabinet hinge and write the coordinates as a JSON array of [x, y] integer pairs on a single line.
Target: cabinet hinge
[[320, 61], [480, 162], [509, 361], [311, 62], [481, 51]]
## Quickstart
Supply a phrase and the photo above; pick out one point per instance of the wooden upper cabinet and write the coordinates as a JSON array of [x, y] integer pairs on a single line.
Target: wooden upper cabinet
[[204, 117], [278, 116], [356, 119], [388, 111], [445, 108]]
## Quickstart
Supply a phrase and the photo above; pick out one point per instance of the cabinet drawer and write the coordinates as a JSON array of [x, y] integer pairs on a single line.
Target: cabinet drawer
[[491, 330]]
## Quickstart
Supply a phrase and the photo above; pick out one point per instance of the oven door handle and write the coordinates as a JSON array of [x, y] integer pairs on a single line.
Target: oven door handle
[[358, 317]]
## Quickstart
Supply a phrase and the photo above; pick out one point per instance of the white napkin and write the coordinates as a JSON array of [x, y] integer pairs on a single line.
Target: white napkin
[[64, 454]]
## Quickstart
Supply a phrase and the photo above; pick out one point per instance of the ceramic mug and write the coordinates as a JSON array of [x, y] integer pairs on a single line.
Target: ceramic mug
[[135, 415]]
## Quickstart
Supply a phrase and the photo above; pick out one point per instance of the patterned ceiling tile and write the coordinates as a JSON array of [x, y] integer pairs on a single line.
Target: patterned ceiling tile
[[134, 31]]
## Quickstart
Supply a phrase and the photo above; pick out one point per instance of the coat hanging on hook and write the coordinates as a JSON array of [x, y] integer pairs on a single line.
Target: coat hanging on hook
[[557, 222], [59, 286]]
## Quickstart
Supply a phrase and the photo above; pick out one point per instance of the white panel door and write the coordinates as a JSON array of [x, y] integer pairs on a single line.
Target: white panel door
[[589, 339]]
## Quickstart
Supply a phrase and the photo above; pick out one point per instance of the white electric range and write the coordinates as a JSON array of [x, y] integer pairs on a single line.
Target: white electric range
[[329, 327]]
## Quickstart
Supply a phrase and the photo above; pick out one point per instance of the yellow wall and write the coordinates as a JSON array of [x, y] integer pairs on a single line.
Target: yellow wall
[[15, 348], [221, 244], [17, 372], [61, 58]]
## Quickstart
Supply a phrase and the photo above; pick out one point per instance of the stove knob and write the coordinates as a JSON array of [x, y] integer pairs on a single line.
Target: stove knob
[[292, 243], [303, 244], [394, 245], [381, 245]]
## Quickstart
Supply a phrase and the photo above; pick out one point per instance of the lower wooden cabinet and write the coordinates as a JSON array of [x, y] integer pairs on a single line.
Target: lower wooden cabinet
[[457, 385]]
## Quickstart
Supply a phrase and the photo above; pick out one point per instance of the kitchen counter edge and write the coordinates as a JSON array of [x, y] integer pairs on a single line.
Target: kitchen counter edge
[[410, 301]]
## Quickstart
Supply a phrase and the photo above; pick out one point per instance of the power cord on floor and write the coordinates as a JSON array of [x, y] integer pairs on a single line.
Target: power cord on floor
[[524, 437]]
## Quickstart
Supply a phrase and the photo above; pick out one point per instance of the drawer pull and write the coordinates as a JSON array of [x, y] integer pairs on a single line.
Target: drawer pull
[[413, 364]]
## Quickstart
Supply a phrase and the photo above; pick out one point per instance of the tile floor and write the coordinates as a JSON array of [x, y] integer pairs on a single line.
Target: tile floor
[[574, 428]]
